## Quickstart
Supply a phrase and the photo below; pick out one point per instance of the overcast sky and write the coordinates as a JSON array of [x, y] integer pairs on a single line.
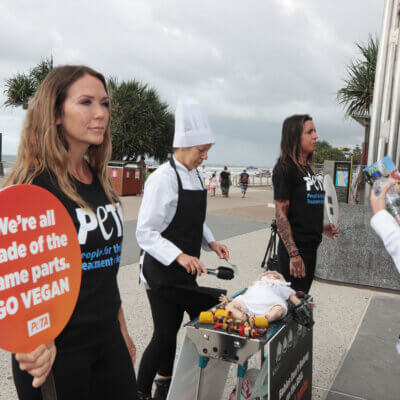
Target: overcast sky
[[249, 63]]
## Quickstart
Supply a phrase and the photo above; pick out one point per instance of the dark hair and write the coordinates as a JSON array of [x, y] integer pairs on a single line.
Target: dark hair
[[292, 130], [225, 168]]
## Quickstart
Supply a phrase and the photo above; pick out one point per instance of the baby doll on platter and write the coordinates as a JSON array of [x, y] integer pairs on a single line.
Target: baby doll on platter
[[268, 298]]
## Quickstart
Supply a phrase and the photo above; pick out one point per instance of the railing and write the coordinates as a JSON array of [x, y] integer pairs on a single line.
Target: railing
[[262, 179]]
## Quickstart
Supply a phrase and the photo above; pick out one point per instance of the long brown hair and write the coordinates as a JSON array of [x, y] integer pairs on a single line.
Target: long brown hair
[[42, 145], [292, 130]]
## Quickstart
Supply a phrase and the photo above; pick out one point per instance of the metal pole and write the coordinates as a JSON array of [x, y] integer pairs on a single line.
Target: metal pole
[[375, 127], [395, 111], [391, 59], [379, 82]]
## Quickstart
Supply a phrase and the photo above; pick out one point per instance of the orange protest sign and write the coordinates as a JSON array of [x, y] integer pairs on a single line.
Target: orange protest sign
[[40, 267]]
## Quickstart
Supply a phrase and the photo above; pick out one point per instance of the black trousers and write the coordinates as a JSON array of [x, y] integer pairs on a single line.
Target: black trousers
[[160, 353], [309, 256], [99, 372]]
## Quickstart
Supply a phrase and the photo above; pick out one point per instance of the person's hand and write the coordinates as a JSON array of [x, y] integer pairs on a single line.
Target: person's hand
[[191, 264], [38, 363], [221, 250], [131, 346], [378, 203], [331, 231], [297, 267]]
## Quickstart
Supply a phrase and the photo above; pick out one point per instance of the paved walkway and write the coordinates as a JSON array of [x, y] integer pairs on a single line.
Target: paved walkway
[[355, 330]]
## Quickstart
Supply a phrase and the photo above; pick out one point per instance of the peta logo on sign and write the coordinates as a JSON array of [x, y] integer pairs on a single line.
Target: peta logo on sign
[[38, 324]]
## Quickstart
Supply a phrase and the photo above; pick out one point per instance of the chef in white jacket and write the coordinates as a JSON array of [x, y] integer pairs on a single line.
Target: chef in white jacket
[[171, 230]]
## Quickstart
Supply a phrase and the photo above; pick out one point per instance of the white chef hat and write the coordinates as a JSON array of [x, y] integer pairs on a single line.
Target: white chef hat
[[191, 124]]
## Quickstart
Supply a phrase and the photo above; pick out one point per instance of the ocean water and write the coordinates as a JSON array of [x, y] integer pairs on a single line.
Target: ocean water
[[9, 160], [6, 158], [236, 170]]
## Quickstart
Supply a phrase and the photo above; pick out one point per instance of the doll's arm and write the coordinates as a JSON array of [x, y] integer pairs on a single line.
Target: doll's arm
[[224, 299], [294, 300], [238, 309]]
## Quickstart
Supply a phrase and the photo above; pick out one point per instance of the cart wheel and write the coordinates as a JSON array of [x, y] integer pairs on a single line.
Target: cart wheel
[[247, 385]]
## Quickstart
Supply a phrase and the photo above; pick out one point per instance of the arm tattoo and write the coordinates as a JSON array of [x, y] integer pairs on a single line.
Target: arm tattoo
[[282, 222]]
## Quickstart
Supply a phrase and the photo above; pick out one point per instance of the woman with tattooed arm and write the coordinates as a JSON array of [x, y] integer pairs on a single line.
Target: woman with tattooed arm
[[299, 203]]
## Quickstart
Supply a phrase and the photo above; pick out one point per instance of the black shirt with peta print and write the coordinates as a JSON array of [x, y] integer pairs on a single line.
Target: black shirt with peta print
[[305, 192], [99, 231]]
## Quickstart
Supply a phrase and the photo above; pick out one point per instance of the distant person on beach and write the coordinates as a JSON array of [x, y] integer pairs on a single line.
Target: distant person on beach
[[65, 147], [299, 203], [385, 225], [225, 181], [171, 230], [213, 184], [244, 182]]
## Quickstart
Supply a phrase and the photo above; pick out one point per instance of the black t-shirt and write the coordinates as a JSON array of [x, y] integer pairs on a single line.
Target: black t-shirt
[[305, 192], [244, 177], [225, 176], [100, 235]]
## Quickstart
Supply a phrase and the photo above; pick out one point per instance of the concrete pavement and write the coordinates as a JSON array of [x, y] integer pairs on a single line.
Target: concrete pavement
[[346, 317]]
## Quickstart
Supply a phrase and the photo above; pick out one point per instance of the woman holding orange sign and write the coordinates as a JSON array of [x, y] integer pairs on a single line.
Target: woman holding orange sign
[[65, 147]]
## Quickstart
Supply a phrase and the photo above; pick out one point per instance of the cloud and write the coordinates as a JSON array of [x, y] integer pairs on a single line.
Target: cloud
[[250, 64]]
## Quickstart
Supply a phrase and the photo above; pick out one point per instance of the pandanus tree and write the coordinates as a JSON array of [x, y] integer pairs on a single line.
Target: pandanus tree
[[357, 93], [21, 87], [141, 125]]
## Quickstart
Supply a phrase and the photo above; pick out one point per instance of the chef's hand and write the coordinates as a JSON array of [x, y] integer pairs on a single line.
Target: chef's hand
[[331, 231], [221, 250], [38, 363], [191, 264], [378, 203], [297, 267]]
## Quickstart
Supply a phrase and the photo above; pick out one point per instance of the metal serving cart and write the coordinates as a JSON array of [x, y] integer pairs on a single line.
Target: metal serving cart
[[207, 354]]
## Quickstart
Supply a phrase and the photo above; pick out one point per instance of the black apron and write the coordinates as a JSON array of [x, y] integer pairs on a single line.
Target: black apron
[[186, 232]]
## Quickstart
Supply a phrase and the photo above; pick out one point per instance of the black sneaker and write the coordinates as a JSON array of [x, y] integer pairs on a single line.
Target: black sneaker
[[142, 396], [162, 387]]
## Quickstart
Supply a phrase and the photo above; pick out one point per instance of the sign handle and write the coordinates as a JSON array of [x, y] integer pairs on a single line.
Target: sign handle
[[49, 388]]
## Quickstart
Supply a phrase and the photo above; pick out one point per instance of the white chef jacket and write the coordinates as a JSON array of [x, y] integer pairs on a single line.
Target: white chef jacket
[[389, 231], [158, 208]]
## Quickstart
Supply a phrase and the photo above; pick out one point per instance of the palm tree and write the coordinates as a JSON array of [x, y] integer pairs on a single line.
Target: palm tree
[[141, 124], [19, 89], [357, 93], [22, 87], [41, 70]]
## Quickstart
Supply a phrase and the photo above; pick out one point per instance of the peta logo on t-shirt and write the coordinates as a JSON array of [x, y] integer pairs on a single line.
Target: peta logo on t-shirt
[[313, 182], [90, 221], [315, 189]]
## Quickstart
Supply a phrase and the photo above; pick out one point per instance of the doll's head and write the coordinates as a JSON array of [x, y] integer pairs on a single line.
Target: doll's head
[[275, 276]]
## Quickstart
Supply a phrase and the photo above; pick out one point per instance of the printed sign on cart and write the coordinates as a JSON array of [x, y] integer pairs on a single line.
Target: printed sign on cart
[[40, 267], [290, 370]]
